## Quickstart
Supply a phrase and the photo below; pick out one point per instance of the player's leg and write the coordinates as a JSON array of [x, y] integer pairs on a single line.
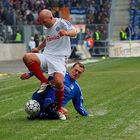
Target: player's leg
[[57, 67], [60, 97], [59, 93], [33, 62]]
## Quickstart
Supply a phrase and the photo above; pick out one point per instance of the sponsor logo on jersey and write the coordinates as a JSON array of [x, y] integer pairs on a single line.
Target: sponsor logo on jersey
[[72, 86], [57, 29], [51, 38]]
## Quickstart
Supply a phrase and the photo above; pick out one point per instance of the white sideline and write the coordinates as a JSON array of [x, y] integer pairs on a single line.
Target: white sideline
[[84, 62]]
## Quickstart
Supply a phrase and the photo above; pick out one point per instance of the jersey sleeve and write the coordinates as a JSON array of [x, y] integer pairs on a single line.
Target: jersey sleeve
[[78, 102], [67, 25]]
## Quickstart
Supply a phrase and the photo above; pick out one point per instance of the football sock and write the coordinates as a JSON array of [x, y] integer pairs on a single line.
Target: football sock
[[59, 95], [35, 69]]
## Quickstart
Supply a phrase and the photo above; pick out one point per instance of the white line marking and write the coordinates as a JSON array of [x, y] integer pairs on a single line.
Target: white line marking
[[12, 98], [12, 112]]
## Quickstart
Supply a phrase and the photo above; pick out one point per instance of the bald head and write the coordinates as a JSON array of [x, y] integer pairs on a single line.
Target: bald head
[[45, 13], [46, 18]]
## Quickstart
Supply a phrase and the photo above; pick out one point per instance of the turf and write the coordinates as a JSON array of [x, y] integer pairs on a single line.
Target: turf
[[111, 92]]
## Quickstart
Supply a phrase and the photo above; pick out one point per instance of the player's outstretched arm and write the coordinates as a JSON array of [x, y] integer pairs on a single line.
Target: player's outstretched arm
[[26, 76]]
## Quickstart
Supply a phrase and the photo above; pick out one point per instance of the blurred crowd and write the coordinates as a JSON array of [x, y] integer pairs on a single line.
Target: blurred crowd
[[134, 19], [98, 11], [17, 12]]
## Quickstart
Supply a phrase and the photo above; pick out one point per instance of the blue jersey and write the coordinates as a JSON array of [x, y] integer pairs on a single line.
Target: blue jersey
[[72, 91]]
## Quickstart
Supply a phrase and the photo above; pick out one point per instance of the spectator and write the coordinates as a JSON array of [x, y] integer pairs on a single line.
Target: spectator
[[74, 43], [81, 36], [129, 32], [90, 44], [30, 18], [97, 38], [31, 44], [123, 35], [18, 37], [37, 39]]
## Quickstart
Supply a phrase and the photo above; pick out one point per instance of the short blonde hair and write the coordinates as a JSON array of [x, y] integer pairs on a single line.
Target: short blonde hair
[[80, 65]]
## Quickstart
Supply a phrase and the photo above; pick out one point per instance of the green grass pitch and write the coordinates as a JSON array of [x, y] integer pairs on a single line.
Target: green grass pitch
[[111, 91]]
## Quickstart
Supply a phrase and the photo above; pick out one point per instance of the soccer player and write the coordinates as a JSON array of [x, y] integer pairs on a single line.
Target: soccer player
[[72, 92], [57, 49]]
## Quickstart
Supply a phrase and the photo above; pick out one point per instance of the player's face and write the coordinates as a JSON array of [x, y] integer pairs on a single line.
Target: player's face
[[76, 71], [46, 21]]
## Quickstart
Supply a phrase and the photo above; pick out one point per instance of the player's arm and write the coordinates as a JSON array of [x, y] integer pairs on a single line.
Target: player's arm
[[67, 29], [26, 76], [70, 33], [40, 47], [78, 104]]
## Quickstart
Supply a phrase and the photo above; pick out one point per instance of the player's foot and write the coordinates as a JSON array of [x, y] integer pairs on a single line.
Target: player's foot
[[43, 87], [61, 115]]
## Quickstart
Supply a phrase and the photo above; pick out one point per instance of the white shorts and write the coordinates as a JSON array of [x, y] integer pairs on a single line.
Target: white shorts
[[52, 63]]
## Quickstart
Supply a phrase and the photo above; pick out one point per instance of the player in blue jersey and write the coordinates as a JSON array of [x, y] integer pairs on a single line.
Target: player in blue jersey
[[72, 91]]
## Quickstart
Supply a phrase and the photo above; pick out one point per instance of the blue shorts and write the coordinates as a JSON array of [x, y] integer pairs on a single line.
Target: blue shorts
[[45, 99]]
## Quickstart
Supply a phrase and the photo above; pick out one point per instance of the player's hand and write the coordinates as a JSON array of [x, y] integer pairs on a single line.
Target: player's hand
[[35, 50], [25, 76], [62, 32]]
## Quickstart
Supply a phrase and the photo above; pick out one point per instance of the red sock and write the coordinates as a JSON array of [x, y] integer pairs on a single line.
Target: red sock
[[59, 95], [35, 69]]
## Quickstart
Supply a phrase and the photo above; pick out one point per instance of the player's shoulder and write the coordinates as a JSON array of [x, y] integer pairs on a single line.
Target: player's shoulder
[[65, 22], [77, 85], [61, 19]]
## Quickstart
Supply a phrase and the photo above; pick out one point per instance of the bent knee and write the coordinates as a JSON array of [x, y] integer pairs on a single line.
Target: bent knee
[[59, 84], [59, 80], [26, 56], [29, 57]]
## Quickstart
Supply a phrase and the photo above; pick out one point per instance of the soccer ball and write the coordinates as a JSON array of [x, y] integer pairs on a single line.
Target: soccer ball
[[32, 107]]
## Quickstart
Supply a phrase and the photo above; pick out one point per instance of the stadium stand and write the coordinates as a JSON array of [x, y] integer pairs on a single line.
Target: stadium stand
[[23, 16], [135, 17], [26, 12]]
